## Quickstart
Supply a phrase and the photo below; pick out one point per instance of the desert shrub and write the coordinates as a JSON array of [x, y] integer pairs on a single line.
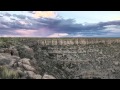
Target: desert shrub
[[25, 52], [6, 73], [3, 45], [4, 39], [7, 42]]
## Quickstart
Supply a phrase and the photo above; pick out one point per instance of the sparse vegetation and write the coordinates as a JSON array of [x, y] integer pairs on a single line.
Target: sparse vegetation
[[6, 73], [70, 57]]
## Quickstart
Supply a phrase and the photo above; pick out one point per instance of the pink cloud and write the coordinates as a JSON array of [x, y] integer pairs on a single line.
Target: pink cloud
[[42, 32], [26, 32], [32, 33], [44, 14], [9, 35]]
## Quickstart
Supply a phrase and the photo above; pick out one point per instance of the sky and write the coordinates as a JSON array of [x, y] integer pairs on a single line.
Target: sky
[[59, 23]]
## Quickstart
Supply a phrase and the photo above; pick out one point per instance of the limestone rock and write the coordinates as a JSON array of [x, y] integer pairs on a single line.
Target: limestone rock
[[6, 59], [27, 67], [12, 62], [116, 63], [23, 67], [20, 72], [37, 76], [25, 61], [46, 76], [20, 64]]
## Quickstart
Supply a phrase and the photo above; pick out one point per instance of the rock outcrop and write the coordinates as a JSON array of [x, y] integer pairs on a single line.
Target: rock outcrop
[[21, 67]]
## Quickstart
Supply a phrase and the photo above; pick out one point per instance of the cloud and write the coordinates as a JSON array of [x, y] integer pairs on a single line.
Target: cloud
[[113, 28], [25, 32], [44, 14], [7, 14], [58, 35], [23, 22], [9, 35], [19, 16], [115, 18], [49, 26]]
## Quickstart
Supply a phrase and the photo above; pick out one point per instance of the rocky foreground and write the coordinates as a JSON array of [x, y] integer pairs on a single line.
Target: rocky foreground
[[14, 67]]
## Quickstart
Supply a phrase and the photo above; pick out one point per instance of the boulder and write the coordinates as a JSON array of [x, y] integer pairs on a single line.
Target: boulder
[[25, 61], [22, 67], [20, 64], [116, 63], [20, 72], [6, 59], [46, 76], [37, 76], [28, 68], [32, 75], [12, 62]]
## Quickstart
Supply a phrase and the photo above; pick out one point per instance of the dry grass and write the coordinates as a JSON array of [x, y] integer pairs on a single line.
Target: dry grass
[[6, 73]]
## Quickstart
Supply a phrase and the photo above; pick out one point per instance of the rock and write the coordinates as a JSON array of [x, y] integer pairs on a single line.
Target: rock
[[48, 77], [32, 75], [116, 63], [4, 62], [6, 59], [1, 50], [12, 51], [4, 55], [20, 64], [12, 62], [28, 68], [7, 50], [25, 61], [20, 72], [23, 77], [24, 68], [15, 65], [37, 76], [16, 57]]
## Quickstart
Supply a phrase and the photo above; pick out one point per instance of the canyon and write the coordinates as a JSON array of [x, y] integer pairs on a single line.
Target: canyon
[[64, 58]]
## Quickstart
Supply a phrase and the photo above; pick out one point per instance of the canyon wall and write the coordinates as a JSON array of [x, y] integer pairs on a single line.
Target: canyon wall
[[70, 41]]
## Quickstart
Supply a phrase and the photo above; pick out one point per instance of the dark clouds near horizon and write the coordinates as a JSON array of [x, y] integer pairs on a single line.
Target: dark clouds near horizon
[[69, 26]]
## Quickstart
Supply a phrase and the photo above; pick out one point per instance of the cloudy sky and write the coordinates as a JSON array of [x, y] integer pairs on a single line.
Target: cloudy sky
[[60, 23]]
